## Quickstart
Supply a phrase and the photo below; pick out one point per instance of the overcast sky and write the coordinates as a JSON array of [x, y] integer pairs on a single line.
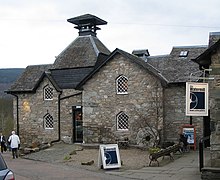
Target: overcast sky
[[35, 31]]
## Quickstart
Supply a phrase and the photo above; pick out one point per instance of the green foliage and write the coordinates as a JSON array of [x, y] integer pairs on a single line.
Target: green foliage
[[6, 116], [66, 158], [153, 150]]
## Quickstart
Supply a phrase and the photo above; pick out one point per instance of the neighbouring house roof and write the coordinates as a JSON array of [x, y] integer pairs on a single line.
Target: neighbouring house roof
[[204, 59], [29, 79], [130, 57], [82, 52], [176, 67]]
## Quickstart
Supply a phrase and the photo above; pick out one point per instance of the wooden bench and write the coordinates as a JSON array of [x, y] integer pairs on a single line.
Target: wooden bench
[[169, 151]]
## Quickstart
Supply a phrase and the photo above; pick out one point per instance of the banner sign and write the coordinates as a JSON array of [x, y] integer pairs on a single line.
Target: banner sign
[[109, 156], [196, 99]]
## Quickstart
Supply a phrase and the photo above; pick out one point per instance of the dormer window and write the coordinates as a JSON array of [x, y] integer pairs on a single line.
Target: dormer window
[[183, 54]]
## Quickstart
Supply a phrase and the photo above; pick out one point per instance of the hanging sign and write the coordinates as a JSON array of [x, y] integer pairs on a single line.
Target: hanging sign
[[196, 99], [109, 156]]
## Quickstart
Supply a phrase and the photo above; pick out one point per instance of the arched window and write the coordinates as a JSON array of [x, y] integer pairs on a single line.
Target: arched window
[[122, 121], [48, 93], [122, 85], [48, 121]]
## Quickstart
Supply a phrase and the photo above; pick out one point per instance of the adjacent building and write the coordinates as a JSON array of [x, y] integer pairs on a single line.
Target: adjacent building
[[92, 95]]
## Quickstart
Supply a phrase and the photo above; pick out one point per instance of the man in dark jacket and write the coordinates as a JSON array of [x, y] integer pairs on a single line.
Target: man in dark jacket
[[2, 140]]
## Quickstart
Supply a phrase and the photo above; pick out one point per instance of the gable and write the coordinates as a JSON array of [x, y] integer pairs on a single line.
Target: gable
[[128, 57]]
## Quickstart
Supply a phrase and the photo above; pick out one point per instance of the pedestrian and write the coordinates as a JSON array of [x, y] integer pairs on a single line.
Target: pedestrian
[[14, 142], [183, 142], [3, 145]]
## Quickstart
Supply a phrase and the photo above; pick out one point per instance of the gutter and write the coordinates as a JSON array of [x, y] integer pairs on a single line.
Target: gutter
[[17, 119], [59, 134]]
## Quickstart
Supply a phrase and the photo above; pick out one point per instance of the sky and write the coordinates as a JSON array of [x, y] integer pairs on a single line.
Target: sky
[[34, 32]]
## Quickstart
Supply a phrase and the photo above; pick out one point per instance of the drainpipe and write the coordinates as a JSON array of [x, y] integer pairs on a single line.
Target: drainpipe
[[17, 119], [59, 135]]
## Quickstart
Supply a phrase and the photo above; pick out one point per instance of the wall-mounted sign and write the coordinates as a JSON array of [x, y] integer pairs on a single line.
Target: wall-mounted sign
[[109, 156], [196, 99]]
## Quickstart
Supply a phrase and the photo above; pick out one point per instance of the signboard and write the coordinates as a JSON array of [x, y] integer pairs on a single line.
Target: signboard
[[196, 99], [109, 156], [189, 132]]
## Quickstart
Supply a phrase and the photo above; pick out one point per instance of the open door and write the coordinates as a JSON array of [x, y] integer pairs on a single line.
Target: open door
[[77, 124]]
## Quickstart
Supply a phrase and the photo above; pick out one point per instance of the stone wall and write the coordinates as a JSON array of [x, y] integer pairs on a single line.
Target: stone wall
[[32, 109], [214, 87], [101, 103], [69, 98], [174, 113]]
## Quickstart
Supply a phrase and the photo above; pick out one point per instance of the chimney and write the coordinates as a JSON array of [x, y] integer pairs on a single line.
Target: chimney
[[143, 53], [213, 38], [87, 24]]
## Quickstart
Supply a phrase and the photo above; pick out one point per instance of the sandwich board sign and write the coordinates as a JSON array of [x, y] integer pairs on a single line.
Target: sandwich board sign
[[196, 99], [109, 156]]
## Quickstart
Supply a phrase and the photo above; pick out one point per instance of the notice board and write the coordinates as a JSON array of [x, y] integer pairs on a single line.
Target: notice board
[[189, 131], [109, 156]]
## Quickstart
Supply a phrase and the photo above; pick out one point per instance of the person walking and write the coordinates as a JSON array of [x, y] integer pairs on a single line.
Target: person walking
[[3, 145], [14, 142]]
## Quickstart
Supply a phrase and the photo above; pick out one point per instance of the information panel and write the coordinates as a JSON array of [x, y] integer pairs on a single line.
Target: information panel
[[190, 133], [109, 156], [196, 99]]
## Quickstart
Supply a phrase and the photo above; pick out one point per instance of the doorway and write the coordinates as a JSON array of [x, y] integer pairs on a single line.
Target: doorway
[[77, 124]]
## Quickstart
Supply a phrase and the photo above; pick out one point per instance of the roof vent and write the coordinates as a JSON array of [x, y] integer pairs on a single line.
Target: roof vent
[[87, 24], [143, 54]]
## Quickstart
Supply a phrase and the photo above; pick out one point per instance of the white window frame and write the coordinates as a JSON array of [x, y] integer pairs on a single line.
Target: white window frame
[[183, 53], [118, 124], [121, 79], [45, 121]]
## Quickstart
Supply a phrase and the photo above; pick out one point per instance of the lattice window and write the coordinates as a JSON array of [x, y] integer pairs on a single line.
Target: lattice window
[[48, 121], [122, 85], [48, 93], [122, 121]]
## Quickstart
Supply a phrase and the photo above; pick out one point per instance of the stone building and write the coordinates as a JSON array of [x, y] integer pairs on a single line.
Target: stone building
[[210, 59], [92, 95]]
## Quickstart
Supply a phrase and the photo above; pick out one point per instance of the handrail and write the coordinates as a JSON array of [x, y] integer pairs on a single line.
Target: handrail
[[201, 153]]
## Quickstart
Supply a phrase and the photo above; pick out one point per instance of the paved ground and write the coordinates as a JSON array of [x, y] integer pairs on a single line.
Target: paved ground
[[184, 167]]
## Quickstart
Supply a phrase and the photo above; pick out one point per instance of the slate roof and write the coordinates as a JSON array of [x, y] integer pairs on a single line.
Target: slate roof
[[30, 78], [174, 68], [82, 52], [204, 59], [69, 78]]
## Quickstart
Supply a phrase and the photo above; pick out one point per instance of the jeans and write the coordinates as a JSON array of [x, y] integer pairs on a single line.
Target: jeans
[[14, 152]]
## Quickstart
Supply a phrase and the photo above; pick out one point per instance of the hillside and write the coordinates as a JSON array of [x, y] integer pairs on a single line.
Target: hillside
[[7, 78]]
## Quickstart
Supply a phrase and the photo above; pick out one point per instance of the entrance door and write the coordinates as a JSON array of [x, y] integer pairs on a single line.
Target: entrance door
[[206, 129], [77, 124]]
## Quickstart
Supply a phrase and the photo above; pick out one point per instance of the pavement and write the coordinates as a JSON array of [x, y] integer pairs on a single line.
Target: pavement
[[185, 167]]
